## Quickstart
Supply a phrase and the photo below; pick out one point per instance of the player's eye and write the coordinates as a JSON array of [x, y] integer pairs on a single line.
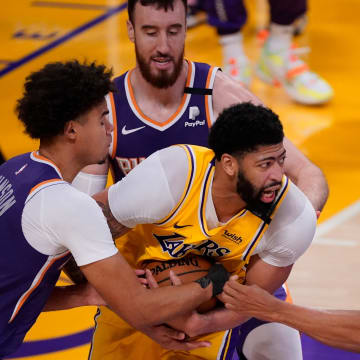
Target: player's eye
[[282, 160], [265, 165]]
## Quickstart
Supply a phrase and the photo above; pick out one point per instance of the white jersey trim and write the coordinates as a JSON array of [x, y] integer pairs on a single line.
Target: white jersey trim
[[36, 157], [181, 111], [210, 102], [37, 280]]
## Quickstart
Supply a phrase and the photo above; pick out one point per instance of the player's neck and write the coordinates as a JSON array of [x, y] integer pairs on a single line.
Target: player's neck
[[63, 157], [170, 96], [227, 201]]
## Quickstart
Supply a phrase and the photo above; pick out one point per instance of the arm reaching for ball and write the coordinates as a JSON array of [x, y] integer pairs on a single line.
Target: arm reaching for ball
[[338, 328]]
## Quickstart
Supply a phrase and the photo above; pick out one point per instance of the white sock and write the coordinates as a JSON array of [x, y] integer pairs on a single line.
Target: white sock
[[232, 46], [280, 37]]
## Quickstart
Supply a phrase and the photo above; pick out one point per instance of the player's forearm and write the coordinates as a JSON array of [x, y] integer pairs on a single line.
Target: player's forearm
[[332, 327], [306, 175], [216, 320], [160, 305], [311, 181], [67, 297]]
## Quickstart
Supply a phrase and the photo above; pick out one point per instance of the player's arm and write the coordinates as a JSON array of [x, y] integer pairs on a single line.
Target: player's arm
[[92, 178], [306, 175], [227, 92], [338, 328], [67, 297], [116, 228]]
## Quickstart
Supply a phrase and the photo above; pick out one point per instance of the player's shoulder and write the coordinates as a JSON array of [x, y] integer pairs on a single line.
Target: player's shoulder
[[227, 92], [66, 197], [297, 205], [122, 75]]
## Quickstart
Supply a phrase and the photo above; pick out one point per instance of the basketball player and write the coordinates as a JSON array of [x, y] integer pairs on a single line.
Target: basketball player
[[43, 218], [232, 203], [151, 110], [167, 100], [338, 328]]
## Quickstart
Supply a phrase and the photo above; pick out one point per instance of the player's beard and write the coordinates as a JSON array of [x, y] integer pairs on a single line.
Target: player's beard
[[164, 79], [249, 193]]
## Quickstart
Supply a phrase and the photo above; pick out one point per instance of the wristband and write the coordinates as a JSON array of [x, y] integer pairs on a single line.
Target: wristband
[[217, 275]]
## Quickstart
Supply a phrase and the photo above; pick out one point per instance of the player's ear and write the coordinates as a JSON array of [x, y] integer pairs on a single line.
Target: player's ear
[[229, 164], [70, 129], [130, 30]]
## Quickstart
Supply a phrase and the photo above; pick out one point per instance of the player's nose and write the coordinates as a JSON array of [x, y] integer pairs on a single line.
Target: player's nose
[[162, 44]]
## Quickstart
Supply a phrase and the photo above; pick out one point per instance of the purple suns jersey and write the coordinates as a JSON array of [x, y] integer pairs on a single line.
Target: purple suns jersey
[[136, 136], [27, 277]]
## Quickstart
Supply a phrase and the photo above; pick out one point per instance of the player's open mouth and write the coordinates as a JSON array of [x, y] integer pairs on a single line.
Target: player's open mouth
[[162, 62], [269, 194]]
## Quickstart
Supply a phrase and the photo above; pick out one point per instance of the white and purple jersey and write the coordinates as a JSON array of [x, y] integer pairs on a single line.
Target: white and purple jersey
[[136, 136], [27, 277]]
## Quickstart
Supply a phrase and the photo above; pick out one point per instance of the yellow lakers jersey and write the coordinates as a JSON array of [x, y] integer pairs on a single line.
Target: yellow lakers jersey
[[184, 230]]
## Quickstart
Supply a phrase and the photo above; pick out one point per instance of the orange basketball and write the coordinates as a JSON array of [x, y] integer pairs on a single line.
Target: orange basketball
[[189, 269]]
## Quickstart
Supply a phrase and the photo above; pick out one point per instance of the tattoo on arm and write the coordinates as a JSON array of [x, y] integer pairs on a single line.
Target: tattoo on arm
[[116, 228], [73, 272]]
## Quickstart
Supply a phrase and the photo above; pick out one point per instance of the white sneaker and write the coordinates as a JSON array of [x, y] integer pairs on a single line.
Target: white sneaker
[[287, 69], [239, 69]]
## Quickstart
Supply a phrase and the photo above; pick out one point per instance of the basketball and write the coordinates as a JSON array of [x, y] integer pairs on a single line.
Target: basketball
[[188, 269]]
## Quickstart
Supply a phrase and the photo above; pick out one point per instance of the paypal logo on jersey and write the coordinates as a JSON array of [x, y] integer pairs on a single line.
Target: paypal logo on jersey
[[194, 112]]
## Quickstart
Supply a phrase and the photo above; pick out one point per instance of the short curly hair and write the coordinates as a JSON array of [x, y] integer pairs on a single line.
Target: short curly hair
[[161, 4], [60, 92], [241, 128]]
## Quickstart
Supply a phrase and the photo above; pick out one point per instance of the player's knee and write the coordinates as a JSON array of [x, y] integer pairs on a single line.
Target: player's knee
[[273, 341]]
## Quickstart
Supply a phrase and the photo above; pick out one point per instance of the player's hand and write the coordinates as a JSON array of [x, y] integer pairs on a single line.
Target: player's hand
[[175, 280], [140, 273], [151, 282], [249, 300], [173, 339]]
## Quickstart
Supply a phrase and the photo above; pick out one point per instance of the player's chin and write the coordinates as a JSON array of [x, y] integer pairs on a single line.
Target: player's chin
[[102, 160]]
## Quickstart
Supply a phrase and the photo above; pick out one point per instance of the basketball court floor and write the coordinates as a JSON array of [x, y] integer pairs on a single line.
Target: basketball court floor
[[33, 33]]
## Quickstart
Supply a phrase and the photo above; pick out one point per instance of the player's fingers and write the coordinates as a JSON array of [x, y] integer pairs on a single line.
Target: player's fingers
[[151, 281], [191, 345], [143, 281], [174, 334], [230, 306], [221, 297], [139, 272], [175, 280], [226, 299], [235, 286], [233, 277]]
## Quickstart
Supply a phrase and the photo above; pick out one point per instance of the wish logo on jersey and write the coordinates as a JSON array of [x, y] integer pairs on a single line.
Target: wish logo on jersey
[[176, 247], [237, 239], [194, 112]]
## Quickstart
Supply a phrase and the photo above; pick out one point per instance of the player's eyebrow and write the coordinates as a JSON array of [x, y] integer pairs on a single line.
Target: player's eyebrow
[[148, 27], [178, 26], [153, 27], [272, 157], [105, 112]]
